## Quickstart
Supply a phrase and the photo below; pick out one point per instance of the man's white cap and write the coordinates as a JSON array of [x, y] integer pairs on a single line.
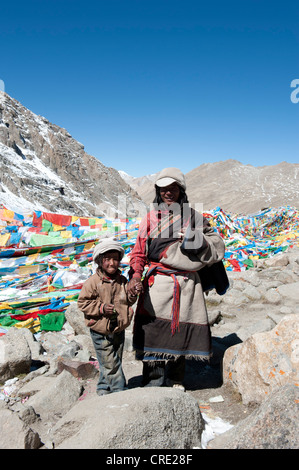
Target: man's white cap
[[169, 176], [107, 244]]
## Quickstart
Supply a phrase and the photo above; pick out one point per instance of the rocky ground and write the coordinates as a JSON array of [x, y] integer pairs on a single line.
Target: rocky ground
[[255, 302], [264, 299], [204, 383]]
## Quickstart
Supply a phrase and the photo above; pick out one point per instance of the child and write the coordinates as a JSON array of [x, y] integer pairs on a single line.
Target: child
[[106, 306]]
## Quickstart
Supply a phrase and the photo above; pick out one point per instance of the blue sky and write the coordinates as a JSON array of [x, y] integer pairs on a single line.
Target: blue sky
[[146, 84]]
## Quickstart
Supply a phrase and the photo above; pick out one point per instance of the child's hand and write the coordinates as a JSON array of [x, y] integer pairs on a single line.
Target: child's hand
[[109, 309]]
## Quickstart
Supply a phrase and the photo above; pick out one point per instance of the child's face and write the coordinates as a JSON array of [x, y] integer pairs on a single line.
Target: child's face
[[110, 262]]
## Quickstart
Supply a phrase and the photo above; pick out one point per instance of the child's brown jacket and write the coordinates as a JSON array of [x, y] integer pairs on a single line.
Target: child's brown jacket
[[99, 290]]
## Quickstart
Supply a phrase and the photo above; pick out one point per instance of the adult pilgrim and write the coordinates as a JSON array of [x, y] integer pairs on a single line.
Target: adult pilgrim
[[175, 242]]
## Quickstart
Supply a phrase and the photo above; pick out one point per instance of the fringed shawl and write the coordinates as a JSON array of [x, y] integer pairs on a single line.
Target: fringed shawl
[[171, 317]]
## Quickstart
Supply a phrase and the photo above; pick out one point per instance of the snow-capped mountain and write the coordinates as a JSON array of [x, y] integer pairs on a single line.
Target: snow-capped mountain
[[44, 168], [138, 181]]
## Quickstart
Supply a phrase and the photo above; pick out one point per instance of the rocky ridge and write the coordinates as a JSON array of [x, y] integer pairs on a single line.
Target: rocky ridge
[[239, 188], [44, 168], [252, 379]]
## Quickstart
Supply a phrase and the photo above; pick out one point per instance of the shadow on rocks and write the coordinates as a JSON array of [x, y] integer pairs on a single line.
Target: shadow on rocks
[[135, 382], [202, 374]]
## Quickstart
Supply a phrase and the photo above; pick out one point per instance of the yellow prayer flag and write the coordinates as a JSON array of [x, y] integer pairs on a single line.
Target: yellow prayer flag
[[57, 228], [32, 258], [8, 215], [66, 234], [4, 306], [33, 324], [4, 239]]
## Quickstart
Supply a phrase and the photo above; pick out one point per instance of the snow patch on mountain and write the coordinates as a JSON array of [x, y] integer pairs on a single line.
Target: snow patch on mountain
[[44, 165]]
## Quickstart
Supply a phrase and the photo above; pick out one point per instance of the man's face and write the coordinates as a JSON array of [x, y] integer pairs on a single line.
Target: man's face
[[170, 194]]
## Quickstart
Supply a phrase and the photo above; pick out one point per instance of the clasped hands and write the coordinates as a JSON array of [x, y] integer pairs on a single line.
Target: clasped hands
[[135, 287]]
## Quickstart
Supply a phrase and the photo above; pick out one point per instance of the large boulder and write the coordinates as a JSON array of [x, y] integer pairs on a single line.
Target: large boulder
[[265, 361], [15, 353], [16, 434], [56, 344], [278, 260], [52, 396], [75, 317], [290, 292], [273, 425], [86, 345], [141, 418]]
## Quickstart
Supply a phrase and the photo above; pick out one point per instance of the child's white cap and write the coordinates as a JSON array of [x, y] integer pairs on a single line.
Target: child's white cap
[[107, 244]]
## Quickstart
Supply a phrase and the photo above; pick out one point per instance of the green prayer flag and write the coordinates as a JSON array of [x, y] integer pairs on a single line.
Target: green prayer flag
[[52, 321]]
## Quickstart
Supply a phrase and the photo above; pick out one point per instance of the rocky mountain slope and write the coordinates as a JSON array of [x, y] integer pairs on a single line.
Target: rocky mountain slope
[[43, 167], [233, 186]]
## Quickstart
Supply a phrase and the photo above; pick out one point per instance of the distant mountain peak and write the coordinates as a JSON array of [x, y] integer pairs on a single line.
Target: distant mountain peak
[[235, 187]]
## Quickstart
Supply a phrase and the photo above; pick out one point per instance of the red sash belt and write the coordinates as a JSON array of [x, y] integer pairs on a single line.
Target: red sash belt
[[155, 268]]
